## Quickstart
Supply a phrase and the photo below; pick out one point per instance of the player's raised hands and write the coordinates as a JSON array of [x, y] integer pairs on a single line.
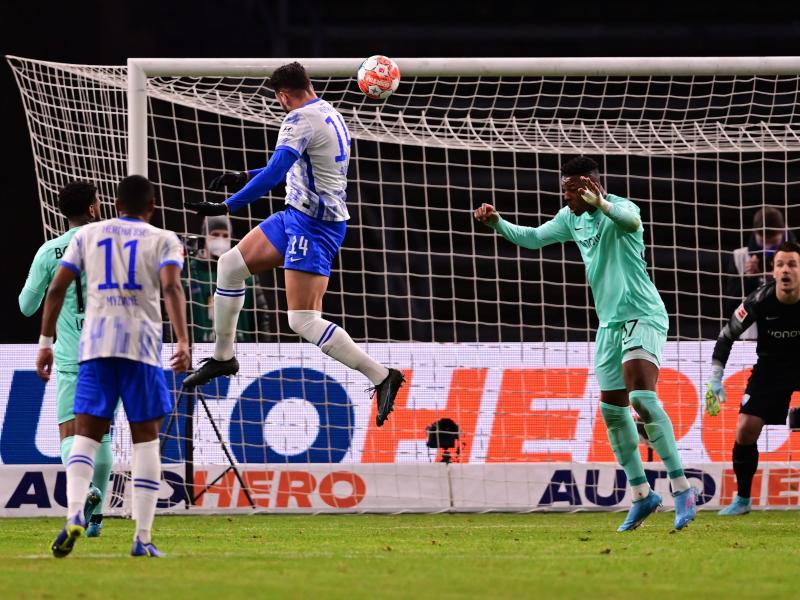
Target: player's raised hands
[[591, 192], [207, 209], [181, 359], [715, 392], [486, 214], [44, 363], [229, 179]]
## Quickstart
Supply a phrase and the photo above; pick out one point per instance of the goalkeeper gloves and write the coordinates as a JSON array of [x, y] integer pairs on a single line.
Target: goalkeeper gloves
[[207, 209], [715, 393], [231, 179]]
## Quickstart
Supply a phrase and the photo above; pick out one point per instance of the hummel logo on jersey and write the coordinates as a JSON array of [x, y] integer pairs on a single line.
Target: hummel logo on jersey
[[741, 313]]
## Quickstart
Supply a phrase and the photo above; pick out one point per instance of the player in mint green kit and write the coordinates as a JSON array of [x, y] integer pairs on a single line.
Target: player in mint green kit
[[633, 326], [79, 204]]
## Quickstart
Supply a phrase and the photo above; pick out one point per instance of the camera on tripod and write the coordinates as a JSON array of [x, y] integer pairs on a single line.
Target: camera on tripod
[[444, 434]]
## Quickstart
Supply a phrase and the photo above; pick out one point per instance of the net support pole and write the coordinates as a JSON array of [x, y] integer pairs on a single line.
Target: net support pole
[[137, 119]]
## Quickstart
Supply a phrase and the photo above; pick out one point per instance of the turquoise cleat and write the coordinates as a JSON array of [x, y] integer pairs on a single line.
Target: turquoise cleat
[[93, 502], [685, 507], [95, 526], [739, 506], [640, 510], [65, 540], [141, 549]]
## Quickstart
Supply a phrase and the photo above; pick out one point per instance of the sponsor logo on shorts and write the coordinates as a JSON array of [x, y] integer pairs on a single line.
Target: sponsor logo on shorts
[[745, 398]]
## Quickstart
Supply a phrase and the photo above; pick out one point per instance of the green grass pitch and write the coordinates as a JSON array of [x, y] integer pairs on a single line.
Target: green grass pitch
[[412, 556]]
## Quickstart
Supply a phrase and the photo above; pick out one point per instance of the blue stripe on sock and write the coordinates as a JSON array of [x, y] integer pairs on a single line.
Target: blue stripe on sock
[[146, 487], [81, 456], [143, 480], [226, 295], [236, 291], [326, 335], [81, 461]]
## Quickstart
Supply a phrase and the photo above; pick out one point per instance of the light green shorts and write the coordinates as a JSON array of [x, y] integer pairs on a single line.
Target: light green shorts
[[619, 342], [65, 395]]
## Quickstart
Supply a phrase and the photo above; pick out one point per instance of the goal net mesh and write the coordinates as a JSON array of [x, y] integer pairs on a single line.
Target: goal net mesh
[[495, 337]]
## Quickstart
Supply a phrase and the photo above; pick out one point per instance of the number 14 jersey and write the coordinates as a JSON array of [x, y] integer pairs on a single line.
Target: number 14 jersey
[[122, 259]]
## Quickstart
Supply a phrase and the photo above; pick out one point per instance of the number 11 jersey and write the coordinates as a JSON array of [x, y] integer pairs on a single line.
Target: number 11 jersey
[[122, 259]]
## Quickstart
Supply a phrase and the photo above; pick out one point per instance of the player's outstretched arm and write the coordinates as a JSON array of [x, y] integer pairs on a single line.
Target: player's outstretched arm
[[625, 218], [52, 307], [740, 320], [175, 302], [551, 232], [262, 182]]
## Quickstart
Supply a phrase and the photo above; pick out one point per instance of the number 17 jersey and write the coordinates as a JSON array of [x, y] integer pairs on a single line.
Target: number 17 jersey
[[122, 259]]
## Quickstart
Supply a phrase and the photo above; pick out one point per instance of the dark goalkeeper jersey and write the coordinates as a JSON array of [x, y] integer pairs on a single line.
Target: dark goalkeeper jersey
[[778, 328]]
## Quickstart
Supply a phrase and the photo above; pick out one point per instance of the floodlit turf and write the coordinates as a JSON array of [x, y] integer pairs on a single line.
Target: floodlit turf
[[412, 556]]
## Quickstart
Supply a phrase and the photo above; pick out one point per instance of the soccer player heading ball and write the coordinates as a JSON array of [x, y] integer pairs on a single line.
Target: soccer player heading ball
[[775, 308], [312, 155], [633, 325]]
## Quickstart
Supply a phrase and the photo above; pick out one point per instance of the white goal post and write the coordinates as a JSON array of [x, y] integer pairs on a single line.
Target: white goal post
[[497, 338]]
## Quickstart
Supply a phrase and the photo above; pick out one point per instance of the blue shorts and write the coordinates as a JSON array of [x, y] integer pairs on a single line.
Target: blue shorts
[[307, 244], [141, 387]]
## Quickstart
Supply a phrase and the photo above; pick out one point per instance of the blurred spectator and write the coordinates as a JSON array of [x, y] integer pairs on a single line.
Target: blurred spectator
[[751, 266], [254, 322]]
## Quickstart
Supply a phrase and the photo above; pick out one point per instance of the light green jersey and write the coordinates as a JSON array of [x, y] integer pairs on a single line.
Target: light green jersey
[[612, 248], [70, 320]]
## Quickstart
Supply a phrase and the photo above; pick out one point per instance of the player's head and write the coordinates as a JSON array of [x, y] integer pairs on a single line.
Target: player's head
[[768, 228], [78, 202], [291, 85], [571, 173], [136, 197], [217, 231], [786, 268]]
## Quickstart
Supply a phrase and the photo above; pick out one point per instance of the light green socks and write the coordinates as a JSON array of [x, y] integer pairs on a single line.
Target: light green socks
[[625, 443], [659, 431], [103, 462]]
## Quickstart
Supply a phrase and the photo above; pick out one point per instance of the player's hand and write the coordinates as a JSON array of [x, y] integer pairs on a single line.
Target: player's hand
[[181, 360], [207, 209], [44, 363], [229, 179], [715, 392], [486, 214], [592, 193]]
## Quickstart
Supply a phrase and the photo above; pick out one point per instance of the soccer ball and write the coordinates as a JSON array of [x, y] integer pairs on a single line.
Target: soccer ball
[[378, 77]]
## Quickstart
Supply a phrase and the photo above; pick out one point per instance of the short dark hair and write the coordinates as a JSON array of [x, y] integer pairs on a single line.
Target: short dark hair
[[134, 193], [75, 198], [789, 247], [289, 78], [580, 165], [768, 218]]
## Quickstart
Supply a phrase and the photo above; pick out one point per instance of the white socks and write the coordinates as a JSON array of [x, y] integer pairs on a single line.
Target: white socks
[[80, 468], [336, 343], [228, 301], [146, 475]]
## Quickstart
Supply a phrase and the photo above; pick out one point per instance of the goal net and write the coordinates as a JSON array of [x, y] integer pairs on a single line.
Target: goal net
[[496, 338]]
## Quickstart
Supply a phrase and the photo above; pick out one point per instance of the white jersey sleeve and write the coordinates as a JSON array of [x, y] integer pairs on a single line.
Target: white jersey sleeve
[[316, 183], [122, 259]]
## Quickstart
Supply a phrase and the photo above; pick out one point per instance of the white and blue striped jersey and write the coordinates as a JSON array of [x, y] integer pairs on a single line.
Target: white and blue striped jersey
[[122, 259], [317, 182]]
